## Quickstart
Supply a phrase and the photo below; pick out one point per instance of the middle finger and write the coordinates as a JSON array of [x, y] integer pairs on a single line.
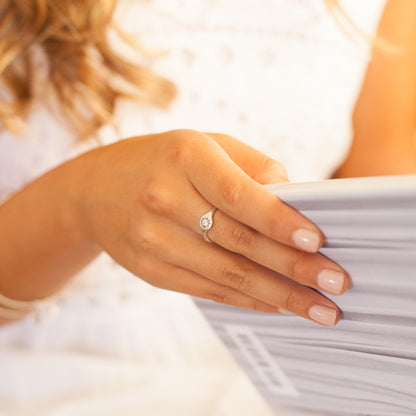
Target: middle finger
[[188, 250], [311, 269]]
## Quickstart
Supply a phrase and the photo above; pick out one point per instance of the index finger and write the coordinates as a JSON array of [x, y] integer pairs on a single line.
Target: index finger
[[225, 185], [260, 167]]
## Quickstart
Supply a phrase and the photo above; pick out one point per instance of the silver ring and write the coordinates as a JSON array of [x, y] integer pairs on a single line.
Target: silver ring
[[206, 222]]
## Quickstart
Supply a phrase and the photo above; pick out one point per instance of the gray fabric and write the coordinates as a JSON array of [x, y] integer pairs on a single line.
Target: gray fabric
[[366, 365]]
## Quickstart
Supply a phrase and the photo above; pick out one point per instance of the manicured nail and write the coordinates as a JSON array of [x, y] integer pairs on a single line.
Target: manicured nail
[[323, 315], [331, 281], [306, 240]]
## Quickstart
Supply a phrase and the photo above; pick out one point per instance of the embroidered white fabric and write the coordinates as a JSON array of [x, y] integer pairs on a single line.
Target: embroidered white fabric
[[277, 74]]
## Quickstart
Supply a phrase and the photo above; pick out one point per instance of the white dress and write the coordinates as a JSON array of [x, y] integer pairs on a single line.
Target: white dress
[[277, 74]]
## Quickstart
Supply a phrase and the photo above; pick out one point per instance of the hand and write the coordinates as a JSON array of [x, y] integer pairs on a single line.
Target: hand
[[142, 199]]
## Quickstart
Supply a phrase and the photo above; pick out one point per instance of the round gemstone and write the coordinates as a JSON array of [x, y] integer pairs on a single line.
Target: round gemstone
[[206, 223]]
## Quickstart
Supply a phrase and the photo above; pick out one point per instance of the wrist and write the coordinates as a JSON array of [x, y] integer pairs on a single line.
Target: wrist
[[44, 240], [76, 192]]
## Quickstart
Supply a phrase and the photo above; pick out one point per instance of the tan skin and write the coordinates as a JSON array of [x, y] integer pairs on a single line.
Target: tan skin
[[384, 119], [114, 199], [140, 200]]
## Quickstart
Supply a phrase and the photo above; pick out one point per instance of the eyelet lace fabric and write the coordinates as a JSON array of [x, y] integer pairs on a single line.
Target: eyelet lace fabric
[[277, 74]]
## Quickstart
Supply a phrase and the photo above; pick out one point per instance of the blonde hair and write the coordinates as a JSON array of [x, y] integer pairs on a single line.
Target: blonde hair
[[71, 36]]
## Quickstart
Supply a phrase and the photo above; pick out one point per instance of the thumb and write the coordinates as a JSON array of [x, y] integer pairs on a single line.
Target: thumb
[[272, 172], [254, 163]]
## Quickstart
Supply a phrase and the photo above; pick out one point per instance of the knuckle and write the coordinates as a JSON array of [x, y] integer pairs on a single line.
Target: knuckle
[[257, 305], [240, 278], [180, 153], [219, 297], [245, 240], [295, 263], [156, 198], [184, 144], [143, 237], [232, 195], [293, 300], [260, 306]]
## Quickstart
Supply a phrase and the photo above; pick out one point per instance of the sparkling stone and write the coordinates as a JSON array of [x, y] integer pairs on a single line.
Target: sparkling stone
[[206, 223]]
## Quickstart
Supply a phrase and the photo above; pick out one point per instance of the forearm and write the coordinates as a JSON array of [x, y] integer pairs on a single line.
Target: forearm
[[386, 107], [43, 242], [384, 115]]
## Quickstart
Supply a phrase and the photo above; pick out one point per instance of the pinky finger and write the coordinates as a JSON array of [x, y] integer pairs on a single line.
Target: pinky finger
[[191, 283]]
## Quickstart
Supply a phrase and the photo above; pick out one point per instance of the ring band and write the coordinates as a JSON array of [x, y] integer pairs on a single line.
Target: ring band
[[206, 222]]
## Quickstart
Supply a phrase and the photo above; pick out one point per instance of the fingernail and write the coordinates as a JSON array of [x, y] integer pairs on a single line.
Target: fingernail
[[323, 315], [331, 281], [306, 240]]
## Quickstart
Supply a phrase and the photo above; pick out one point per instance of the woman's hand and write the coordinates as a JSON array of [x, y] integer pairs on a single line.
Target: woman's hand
[[142, 199]]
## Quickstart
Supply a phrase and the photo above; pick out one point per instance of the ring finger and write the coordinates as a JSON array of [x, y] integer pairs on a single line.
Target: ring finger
[[311, 269], [189, 251]]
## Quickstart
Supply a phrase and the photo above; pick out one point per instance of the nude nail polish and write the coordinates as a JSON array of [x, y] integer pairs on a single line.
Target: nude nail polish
[[306, 240], [331, 281], [323, 315]]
